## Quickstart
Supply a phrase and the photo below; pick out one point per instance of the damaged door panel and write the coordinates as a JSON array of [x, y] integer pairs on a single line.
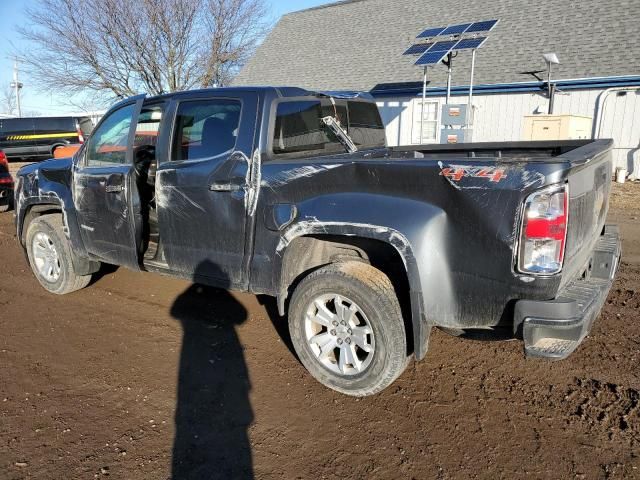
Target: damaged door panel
[[105, 191], [204, 182], [294, 194]]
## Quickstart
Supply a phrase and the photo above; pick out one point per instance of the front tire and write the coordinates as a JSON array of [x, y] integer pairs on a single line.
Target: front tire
[[50, 256], [347, 328]]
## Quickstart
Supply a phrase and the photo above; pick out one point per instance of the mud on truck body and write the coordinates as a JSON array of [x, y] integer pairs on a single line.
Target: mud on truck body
[[293, 194]]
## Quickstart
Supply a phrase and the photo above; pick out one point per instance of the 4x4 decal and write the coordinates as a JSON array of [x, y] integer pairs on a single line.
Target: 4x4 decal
[[458, 172]]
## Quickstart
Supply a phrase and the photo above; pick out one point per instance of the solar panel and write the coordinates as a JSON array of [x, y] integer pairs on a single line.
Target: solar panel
[[485, 26], [418, 48], [434, 52], [445, 46], [470, 43], [455, 29], [432, 58], [431, 32]]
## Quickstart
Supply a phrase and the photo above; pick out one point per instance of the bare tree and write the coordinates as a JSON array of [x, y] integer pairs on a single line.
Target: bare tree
[[120, 47], [8, 102]]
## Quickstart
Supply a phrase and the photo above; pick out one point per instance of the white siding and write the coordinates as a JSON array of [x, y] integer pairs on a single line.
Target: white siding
[[500, 117]]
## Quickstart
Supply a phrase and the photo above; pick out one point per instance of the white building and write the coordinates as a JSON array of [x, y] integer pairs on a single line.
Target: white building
[[359, 45]]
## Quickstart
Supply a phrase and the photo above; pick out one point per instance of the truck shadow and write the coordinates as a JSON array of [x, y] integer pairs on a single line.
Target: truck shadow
[[213, 411], [105, 270], [280, 324]]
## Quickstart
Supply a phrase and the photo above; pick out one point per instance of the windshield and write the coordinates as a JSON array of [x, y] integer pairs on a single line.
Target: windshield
[[300, 130]]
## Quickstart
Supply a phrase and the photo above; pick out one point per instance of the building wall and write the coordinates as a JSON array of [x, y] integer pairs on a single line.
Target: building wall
[[500, 117]]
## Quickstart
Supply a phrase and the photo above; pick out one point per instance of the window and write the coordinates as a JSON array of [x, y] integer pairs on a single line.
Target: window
[[299, 128], [108, 145], [148, 126], [146, 137], [205, 129], [86, 125], [365, 125], [54, 125], [429, 125], [16, 126]]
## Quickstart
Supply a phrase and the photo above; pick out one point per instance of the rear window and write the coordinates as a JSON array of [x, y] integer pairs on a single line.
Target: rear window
[[365, 125], [16, 125], [299, 129], [54, 124]]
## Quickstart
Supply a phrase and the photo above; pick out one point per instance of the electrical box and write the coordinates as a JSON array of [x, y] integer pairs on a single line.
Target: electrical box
[[455, 135], [556, 127], [454, 115]]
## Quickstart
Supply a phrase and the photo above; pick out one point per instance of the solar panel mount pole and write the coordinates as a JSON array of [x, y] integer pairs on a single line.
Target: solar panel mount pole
[[449, 62], [470, 101], [550, 91], [424, 100]]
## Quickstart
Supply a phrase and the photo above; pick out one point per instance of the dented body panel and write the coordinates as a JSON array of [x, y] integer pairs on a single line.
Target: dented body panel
[[451, 213], [457, 236]]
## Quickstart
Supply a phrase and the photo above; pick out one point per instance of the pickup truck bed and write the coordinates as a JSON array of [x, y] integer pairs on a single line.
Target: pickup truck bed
[[365, 249], [554, 328]]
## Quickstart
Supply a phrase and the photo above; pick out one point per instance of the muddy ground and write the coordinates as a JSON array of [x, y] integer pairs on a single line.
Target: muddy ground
[[140, 375]]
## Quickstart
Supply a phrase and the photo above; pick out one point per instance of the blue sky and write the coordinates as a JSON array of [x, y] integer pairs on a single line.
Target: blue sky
[[12, 14]]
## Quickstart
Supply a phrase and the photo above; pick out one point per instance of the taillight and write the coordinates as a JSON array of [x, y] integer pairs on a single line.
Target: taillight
[[3, 160], [80, 135], [544, 231]]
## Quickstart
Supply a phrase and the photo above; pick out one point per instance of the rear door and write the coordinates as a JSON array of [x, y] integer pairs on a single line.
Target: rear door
[[105, 191], [202, 191]]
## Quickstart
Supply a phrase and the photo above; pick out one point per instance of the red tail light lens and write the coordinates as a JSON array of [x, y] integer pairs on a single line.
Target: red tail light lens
[[544, 231], [79, 132], [3, 159]]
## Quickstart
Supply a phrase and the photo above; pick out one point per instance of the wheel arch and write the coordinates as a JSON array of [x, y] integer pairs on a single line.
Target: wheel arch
[[82, 265], [311, 245], [31, 212]]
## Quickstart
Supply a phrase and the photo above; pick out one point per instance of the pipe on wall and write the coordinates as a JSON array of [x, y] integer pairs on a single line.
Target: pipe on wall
[[602, 98]]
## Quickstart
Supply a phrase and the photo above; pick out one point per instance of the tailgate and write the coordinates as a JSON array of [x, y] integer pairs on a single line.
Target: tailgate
[[590, 178]]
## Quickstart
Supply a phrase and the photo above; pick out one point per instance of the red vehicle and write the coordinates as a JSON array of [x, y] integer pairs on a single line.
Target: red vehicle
[[6, 184]]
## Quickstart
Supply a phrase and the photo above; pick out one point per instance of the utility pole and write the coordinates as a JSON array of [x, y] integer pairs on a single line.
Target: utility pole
[[17, 86]]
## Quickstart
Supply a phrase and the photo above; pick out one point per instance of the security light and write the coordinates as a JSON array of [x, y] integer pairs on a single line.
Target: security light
[[551, 58]]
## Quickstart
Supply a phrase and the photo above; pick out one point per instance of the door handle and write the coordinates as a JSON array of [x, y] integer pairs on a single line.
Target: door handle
[[224, 187]]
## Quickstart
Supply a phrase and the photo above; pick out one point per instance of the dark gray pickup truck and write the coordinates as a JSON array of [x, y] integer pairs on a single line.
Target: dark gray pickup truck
[[293, 194]]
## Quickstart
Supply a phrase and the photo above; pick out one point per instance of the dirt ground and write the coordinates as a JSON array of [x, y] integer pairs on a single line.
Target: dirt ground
[[139, 376]]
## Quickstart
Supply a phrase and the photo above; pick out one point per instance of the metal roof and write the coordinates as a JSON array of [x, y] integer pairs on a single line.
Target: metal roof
[[358, 44]]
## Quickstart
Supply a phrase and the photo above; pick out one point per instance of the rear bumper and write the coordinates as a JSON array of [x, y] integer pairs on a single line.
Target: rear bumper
[[30, 151], [553, 329]]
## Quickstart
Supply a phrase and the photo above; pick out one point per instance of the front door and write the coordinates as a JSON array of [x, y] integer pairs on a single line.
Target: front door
[[105, 192], [202, 193]]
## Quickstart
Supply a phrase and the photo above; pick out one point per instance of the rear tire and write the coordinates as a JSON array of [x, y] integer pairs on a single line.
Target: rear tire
[[50, 256], [347, 328]]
